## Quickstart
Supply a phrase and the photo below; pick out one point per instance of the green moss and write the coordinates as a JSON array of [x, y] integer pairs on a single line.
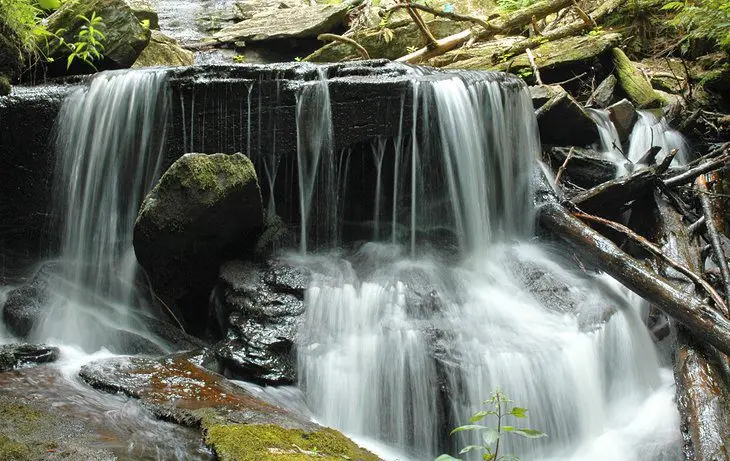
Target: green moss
[[249, 442], [10, 450], [633, 82]]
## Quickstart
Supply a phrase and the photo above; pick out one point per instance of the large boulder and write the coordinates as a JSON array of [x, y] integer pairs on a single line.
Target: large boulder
[[204, 210], [285, 23], [25, 305], [237, 425], [164, 51], [259, 308], [125, 36]]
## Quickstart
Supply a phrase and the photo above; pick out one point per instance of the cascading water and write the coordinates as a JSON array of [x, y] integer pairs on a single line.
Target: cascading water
[[109, 141], [610, 141], [401, 348], [651, 130]]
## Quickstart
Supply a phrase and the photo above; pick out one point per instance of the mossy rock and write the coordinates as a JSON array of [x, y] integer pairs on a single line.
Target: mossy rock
[[205, 210], [405, 34], [265, 442], [10, 450], [5, 87], [125, 35], [567, 56], [145, 11], [12, 56], [636, 87], [164, 51]]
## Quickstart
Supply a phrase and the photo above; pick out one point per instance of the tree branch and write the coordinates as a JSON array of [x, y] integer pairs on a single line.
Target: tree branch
[[346, 40]]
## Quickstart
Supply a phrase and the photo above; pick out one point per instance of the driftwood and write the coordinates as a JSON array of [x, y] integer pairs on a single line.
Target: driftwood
[[616, 192], [705, 322], [689, 176], [701, 397]]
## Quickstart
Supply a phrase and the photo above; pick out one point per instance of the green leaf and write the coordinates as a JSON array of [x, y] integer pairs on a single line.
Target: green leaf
[[529, 433], [468, 427], [446, 458], [479, 415], [49, 4], [469, 448], [70, 60], [490, 436], [488, 456], [518, 412]]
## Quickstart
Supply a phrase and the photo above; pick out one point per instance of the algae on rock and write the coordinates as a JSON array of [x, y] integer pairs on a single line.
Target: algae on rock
[[633, 82], [164, 51]]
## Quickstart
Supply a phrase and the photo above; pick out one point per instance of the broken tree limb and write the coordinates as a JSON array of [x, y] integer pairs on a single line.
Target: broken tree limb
[[702, 399], [444, 14], [428, 38], [690, 175], [710, 224], [519, 18], [704, 321], [696, 226], [616, 192], [348, 41], [535, 70], [656, 251], [564, 165]]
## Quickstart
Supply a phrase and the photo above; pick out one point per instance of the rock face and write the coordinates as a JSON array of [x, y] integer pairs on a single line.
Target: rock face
[[18, 355], [204, 209], [259, 308], [125, 36], [296, 22], [562, 120], [623, 115], [145, 11], [11, 57], [164, 51], [25, 305], [237, 425]]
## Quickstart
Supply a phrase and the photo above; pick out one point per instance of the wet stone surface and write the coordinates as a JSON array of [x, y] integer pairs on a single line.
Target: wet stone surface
[[14, 356], [259, 308]]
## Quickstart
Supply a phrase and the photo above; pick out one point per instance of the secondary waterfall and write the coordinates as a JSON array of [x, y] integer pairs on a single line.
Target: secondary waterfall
[[400, 346], [109, 140]]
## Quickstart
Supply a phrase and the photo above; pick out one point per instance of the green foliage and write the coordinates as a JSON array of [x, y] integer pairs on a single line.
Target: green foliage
[[23, 17], [702, 19], [88, 46], [239, 59], [498, 406], [514, 5]]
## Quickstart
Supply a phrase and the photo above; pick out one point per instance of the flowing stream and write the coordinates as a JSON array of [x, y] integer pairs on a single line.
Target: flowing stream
[[406, 334]]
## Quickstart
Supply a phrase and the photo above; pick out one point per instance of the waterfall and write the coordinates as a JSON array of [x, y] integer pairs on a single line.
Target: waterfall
[[108, 142], [402, 341], [610, 142], [651, 130]]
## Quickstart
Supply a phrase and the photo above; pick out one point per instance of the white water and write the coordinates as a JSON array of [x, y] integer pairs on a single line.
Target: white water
[[109, 140], [649, 131], [610, 142], [400, 344]]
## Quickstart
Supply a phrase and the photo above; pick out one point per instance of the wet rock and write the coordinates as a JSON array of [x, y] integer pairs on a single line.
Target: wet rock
[[564, 122], [586, 168], [259, 308], [297, 22], [11, 53], [204, 209], [125, 36], [164, 51], [19, 355], [605, 92], [30, 431], [247, 10], [237, 425], [145, 11], [623, 115], [542, 94], [25, 305]]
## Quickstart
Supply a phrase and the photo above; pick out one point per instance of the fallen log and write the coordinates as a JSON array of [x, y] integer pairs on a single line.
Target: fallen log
[[704, 321], [616, 192], [520, 18], [690, 175], [702, 393]]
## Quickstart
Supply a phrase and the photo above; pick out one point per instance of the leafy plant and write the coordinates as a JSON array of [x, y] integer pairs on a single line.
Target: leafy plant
[[498, 406], [23, 17], [702, 19], [88, 46], [239, 59]]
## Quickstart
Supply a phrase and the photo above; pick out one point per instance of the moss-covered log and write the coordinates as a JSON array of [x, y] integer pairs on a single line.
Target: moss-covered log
[[637, 88]]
